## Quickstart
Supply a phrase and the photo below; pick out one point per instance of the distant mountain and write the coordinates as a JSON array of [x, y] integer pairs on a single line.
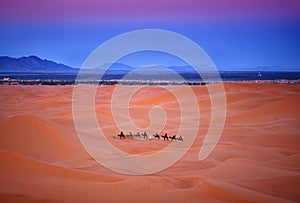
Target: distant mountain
[[113, 68], [259, 69], [32, 64], [274, 68]]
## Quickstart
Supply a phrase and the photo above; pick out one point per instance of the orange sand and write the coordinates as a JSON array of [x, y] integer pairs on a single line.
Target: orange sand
[[256, 160]]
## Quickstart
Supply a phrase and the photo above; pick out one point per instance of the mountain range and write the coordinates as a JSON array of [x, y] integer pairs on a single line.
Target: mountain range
[[34, 64]]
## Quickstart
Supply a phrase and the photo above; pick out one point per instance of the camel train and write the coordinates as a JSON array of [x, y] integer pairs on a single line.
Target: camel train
[[130, 135]]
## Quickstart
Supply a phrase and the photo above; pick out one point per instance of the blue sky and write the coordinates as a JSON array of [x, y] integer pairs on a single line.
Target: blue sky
[[233, 41]]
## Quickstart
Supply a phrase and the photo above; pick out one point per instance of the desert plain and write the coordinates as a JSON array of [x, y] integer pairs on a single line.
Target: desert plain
[[257, 158]]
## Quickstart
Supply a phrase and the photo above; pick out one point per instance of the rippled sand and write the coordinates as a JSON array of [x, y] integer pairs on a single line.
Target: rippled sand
[[256, 160]]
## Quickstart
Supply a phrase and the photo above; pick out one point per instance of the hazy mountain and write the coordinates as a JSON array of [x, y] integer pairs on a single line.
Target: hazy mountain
[[259, 69], [32, 64], [114, 68]]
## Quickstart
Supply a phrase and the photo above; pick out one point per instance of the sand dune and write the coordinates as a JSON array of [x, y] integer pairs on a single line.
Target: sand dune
[[256, 160]]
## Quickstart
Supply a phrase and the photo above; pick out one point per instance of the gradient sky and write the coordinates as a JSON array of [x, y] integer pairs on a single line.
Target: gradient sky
[[236, 34]]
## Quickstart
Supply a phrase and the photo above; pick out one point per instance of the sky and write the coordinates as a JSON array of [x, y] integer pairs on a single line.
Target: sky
[[236, 34]]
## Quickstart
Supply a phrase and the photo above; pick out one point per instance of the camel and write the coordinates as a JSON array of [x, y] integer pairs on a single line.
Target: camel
[[165, 137], [130, 135], [173, 137], [137, 134], [156, 135], [180, 138], [121, 135]]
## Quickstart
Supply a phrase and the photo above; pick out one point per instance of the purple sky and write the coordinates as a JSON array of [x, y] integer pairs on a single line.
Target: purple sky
[[235, 33], [95, 10]]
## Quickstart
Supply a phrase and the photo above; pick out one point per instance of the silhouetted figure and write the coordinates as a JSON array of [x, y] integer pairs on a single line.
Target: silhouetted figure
[[173, 137], [144, 135], [180, 138], [156, 135], [130, 135], [121, 135], [165, 137]]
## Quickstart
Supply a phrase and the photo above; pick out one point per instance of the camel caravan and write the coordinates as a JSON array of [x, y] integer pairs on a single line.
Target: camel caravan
[[144, 135]]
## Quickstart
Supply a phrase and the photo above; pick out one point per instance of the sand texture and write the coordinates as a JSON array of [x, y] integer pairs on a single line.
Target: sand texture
[[256, 160]]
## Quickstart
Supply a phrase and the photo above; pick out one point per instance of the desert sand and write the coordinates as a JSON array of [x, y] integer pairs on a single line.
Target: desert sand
[[257, 158]]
